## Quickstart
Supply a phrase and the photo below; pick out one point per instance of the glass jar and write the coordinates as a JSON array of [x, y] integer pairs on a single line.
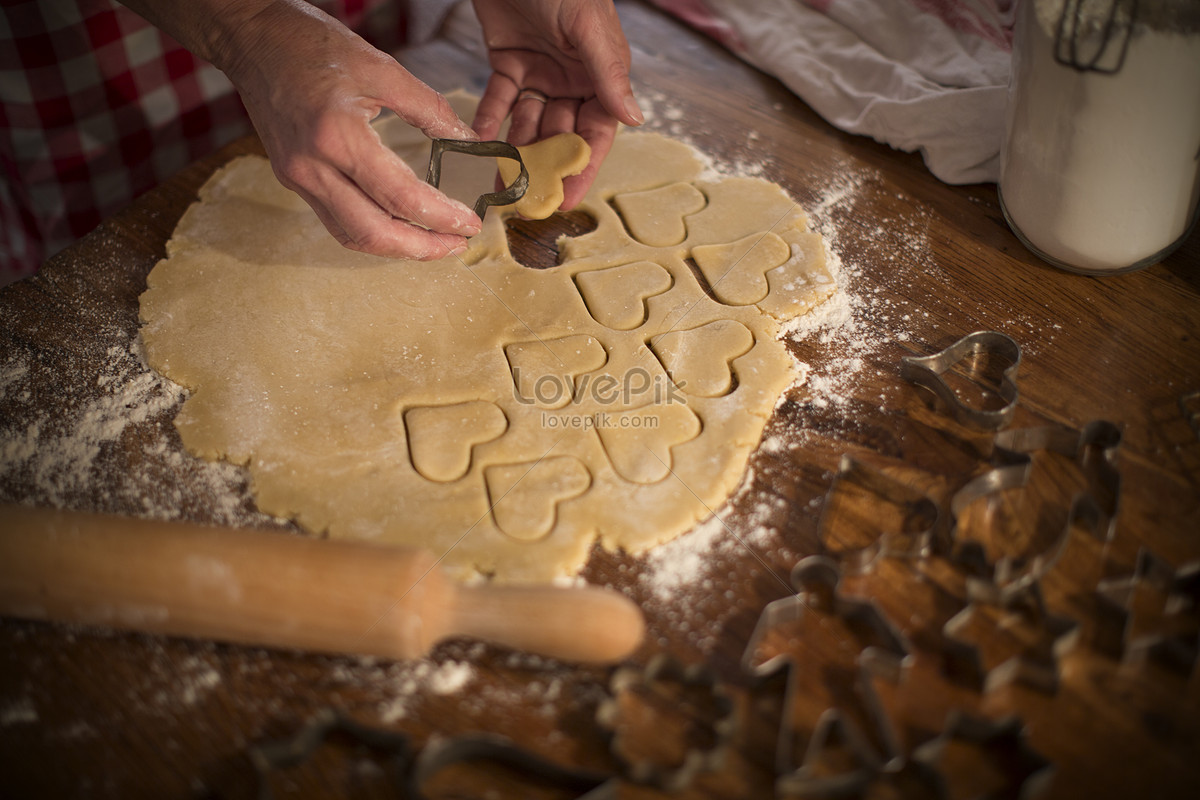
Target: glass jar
[[1100, 170]]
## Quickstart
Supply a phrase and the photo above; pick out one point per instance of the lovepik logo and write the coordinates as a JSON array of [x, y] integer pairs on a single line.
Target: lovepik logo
[[554, 390]]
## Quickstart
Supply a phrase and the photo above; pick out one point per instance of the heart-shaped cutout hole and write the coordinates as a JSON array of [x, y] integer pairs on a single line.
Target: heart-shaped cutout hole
[[533, 243]]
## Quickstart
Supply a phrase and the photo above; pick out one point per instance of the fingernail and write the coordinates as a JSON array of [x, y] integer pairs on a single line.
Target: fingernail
[[471, 227], [470, 224], [467, 133], [633, 110]]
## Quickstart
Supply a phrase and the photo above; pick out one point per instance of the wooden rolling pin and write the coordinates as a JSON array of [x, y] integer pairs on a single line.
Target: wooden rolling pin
[[282, 590]]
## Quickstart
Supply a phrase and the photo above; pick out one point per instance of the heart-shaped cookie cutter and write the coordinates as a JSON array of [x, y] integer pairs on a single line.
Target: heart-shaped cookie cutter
[[927, 371], [510, 194]]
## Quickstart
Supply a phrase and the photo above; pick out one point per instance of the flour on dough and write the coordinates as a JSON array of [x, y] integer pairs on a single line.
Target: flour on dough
[[503, 417]]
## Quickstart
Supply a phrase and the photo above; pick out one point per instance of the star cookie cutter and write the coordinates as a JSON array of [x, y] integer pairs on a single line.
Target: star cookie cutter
[[921, 524], [1179, 591], [697, 760], [1029, 771], [1035, 665], [1094, 448], [816, 580], [510, 194], [927, 371]]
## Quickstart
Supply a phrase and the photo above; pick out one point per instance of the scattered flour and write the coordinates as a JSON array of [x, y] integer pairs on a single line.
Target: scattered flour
[[845, 332], [62, 461], [685, 563], [669, 120], [411, 679], [51, 454], [681, 562], [127, 405], [198, 682], [18, 712]]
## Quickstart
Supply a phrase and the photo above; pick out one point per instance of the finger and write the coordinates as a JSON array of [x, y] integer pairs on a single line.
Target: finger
[[327, 219], [420, 106], [598, 129], [494, 106], [360, 224], [560, 117], [526, 120], [355, 150], [605, 55], [394, 187]]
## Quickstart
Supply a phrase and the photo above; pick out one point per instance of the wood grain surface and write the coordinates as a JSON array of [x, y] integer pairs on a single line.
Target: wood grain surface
[[1074, 692]]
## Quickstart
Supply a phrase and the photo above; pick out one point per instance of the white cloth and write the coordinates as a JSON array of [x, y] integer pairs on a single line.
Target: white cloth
[[919, 75]]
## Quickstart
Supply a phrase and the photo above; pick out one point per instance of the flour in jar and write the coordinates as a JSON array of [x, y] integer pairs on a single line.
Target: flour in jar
[[1102, 157]]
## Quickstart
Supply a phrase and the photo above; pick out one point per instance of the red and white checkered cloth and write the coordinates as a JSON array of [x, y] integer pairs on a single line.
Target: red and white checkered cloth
[[98, 106]]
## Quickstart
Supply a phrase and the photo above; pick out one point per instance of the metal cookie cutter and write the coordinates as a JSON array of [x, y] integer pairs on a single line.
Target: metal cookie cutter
[[1094, 448], [697, 760], [927, 371], [1174, 638], [510, 194], [414, 769], [922, 519], [1004, 741], [1044, 639], [886, 654], [446, 752], [291, 751]]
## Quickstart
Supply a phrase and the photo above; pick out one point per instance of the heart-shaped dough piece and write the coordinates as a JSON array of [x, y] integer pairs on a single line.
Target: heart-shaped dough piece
[[440, 438], [525, 497], [548, 162], [700, 360]]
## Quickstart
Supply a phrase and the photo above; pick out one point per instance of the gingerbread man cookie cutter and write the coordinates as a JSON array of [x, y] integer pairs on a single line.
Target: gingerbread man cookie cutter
[[815, 580]]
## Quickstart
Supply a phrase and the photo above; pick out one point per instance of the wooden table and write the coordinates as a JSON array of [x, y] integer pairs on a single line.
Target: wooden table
[[93, 713]]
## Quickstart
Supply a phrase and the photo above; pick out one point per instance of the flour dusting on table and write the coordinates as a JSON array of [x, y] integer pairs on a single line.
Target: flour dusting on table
[[114, 408], [684, 580]]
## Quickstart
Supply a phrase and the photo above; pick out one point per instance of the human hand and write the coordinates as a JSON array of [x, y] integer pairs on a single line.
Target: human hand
[[574, 57], [312, 87]]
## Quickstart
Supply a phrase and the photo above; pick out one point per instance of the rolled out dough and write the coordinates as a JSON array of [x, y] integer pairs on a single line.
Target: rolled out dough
[[501, 416]]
